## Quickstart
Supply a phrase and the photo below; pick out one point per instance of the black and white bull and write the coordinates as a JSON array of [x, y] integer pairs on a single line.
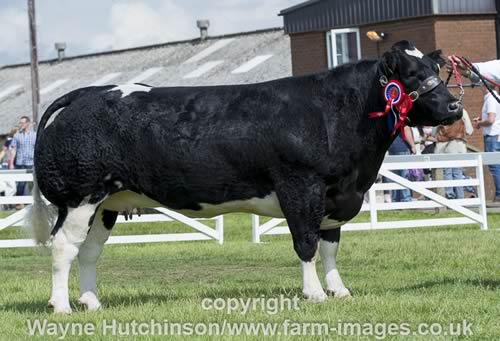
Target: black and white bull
[[302, 148]]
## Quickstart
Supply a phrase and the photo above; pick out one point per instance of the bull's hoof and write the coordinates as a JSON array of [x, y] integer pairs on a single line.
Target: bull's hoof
[[340, 293], [90, 301], [315, 296], [59, 308], [62, 309]]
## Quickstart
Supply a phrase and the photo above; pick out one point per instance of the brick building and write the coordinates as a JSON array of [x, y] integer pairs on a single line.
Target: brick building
[[317, 28]]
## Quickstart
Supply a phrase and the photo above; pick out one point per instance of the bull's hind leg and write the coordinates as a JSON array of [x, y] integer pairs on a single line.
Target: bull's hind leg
[[328, 248], [302, 202], [90, 251], [71, 231]]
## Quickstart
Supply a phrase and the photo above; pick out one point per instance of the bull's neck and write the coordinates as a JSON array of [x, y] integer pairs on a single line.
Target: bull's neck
[[364, 83]]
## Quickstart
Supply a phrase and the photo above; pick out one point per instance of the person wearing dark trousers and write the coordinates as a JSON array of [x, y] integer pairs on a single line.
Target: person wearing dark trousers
[[402, 146]]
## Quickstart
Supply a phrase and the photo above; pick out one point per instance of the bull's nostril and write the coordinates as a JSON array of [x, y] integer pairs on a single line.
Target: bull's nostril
[[453, 106]]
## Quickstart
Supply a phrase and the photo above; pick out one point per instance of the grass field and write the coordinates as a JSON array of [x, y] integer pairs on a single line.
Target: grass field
[[412, 276]]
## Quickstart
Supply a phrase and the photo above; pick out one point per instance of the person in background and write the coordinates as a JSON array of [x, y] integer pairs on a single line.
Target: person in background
[[402, 147], [489, 122], [23, 148], [7, 187], [451, 139], [6, 153], [490, 69]]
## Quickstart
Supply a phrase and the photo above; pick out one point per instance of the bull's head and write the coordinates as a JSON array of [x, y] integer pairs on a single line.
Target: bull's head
[[419, 74]]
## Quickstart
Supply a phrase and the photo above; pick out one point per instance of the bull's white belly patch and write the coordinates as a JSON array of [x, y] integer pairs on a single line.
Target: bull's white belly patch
[[127, 89], [267, 206]]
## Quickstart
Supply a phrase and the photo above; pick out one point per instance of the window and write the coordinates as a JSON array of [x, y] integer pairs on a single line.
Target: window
[[343, 46]]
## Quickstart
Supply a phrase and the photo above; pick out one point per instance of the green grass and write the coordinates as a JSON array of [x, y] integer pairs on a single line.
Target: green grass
[[425, 275]]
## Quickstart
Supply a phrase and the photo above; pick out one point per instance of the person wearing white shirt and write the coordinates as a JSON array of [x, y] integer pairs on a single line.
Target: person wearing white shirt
[[489, 69], [489, 122]]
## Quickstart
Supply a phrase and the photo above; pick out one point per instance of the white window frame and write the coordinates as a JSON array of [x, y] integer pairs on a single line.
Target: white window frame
[[331, 44]]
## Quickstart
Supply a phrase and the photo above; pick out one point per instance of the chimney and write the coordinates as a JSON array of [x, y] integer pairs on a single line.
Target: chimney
[[203, 26], [60, 47]]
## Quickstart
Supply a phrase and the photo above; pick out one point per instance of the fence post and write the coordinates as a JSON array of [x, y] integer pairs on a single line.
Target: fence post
[[481, 192], [255, 229], [372, 202], [219, 227]]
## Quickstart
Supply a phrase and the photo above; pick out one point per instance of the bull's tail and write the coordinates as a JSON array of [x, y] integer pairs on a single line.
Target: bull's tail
[[39, 218], [61, 102]]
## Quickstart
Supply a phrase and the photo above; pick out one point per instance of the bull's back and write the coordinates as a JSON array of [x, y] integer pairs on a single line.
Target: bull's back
[[177, 146]]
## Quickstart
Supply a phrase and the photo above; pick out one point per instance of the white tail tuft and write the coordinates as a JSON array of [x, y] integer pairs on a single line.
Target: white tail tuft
[[38, 219]]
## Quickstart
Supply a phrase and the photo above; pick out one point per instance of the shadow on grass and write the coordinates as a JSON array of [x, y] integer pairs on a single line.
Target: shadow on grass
[[488, 284], [122, 300], [31, 307], [142, 298]]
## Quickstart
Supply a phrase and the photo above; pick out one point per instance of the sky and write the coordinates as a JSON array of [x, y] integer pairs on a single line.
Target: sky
[[89, 26]]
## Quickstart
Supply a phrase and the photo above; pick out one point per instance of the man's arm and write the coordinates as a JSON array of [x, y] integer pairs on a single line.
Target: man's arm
[[409, 139], [490, 69], [12, 158], [490, 119]]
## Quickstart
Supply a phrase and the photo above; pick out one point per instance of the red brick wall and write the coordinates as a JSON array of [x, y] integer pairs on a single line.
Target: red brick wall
[[308, 53], [419, 31], [473, 37]]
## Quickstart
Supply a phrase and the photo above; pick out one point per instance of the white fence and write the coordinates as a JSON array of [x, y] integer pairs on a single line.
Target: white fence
[[203, 232], [462, 206], [275, 226]]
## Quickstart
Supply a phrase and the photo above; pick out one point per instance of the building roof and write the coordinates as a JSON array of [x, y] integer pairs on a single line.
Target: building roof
[[230, 59], [322, 15]]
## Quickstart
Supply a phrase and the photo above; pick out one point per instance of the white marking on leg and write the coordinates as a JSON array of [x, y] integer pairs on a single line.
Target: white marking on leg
[[89, 253], [65, 246], [312, 289], [328, 253], [127, 89]]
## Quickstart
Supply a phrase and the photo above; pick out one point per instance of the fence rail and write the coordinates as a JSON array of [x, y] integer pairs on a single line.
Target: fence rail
[[391, 163], [275, 226]]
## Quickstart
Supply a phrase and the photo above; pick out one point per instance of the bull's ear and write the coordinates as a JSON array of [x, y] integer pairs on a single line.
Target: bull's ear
[[390, 61], [437, 57]]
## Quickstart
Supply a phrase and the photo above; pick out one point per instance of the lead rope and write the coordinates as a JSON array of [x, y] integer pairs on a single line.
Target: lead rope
[[470, 67], [458, 81]]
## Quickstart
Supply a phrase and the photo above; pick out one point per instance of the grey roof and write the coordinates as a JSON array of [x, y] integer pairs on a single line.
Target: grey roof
[[322, 15], [231, 59]]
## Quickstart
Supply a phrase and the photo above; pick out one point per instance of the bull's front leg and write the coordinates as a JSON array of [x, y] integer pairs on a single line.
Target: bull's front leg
[[328, 248], [302, 202]]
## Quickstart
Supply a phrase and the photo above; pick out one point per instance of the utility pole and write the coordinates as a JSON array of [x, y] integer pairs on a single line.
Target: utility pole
[[35, 84]]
